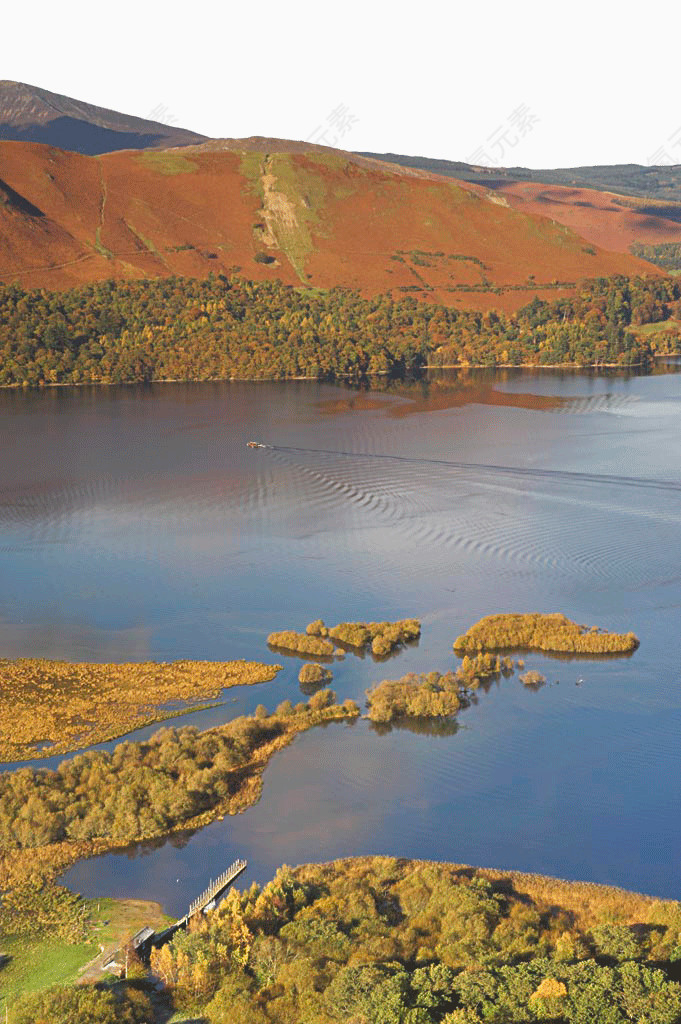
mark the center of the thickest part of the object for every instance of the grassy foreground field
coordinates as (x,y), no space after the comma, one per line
(34,962)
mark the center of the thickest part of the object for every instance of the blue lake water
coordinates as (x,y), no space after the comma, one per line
(135,524)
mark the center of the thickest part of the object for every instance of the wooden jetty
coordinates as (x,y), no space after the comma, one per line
(143,941)
(210,896)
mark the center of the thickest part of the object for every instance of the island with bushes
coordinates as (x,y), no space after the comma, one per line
(552,633)
(382,638)
(290,641)
(312,676)
(178,779)
(433,694)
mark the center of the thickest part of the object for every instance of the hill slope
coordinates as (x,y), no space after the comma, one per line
(30,114)
(319,218)
(615,222)
(655,181)
(626,208)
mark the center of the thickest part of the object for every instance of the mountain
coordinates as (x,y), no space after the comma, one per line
(318,218)
(661,183)
(30,114)
(626,208)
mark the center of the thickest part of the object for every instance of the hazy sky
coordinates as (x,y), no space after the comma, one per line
(498,83)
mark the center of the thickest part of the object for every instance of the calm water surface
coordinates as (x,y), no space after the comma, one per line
(135,524)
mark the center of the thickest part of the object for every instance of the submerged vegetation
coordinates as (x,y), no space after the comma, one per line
(542,633)
(222,328)
(83,704)
(379,940)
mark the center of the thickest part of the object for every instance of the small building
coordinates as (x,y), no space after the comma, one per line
(140,944)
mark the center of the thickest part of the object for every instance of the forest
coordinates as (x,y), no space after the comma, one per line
(381,940)
(665,254)
(228,328)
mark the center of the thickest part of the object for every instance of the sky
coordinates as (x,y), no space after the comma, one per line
(524,83)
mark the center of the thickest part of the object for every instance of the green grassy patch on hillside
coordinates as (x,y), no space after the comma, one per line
(165,162)
(306,191)
(250,166)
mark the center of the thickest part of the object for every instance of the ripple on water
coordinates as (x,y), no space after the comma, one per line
(422,504)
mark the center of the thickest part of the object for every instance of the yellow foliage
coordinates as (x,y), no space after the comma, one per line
(536,632)
(81,704)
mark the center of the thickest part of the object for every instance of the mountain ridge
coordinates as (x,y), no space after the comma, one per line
(316,219)
(31,114)
(646,181)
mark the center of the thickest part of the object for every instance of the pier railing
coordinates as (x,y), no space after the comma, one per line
(148,938)
(216,887)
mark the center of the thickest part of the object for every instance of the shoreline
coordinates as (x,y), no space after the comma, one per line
(339,378)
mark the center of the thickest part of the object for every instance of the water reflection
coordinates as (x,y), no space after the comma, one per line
(419,726)
(135,525)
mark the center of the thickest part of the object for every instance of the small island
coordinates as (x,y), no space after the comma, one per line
(429,695)
(311,677)
(382,638)
(301,643)
(553,633)
(432,694)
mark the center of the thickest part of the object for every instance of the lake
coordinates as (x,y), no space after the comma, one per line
(135,524)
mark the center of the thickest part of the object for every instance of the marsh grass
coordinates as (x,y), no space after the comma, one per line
(536,632)
(52,707)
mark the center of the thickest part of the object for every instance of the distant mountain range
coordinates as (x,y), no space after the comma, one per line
(309,215)
(30,114)
(654,183)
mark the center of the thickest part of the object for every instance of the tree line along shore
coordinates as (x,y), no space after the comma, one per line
(225,328)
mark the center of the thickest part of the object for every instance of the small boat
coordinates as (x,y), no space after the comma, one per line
(255,444)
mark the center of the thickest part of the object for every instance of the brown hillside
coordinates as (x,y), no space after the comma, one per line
(319,218)
(603,218)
